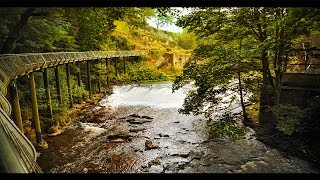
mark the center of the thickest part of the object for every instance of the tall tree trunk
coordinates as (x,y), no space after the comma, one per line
(266,95)
(277,93)
(14,34)
(246,121)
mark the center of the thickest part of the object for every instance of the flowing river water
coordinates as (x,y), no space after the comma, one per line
(138,129)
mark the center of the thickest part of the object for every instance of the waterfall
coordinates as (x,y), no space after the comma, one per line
(154,95)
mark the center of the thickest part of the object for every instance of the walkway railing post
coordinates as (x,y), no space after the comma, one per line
(57,78)
(15,105)
(35,112)
(69,84)
(46,86)
(89,78)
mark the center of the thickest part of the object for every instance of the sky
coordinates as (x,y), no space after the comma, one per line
(171,27)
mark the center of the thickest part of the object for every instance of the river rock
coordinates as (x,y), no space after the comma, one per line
(134,115)
(156,169)
(54,131)
(146,117)
(119,140)
(135,121)
(163,135)
(154,162)
(149,145)
(137,129)
(138,116)
(183,155)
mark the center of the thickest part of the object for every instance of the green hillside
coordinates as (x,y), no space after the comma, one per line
(158,42)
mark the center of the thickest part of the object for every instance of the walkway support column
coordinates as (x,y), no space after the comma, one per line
(89,78)
(107,74)
(35,112)
(124,65)
(69,85)
(132,59)
(46,86)
(57,78)
(98,75)
(79,73)
(16,112)
(115,66)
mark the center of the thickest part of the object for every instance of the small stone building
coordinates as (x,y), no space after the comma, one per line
(176,59)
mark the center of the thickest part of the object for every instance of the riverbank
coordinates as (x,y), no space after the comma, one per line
(65,120)
(78,110)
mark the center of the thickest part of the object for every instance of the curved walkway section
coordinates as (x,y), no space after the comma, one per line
(13,66)
(17,154)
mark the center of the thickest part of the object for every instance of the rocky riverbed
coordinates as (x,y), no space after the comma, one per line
(137,138)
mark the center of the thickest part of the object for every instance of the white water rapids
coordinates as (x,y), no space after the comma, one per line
(154,95)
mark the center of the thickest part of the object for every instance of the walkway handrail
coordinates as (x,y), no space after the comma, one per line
(17,153)
(13,66)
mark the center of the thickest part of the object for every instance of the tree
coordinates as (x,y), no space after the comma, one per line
(187,40)
(271,30)
(35,30)
(63,29)
(213,67)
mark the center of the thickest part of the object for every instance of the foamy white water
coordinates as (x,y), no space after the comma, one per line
(154,95)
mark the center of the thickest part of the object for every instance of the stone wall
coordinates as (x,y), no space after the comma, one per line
(176,59)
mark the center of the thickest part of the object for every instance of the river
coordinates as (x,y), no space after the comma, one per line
(137,129)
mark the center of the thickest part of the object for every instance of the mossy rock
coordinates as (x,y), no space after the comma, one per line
(54,131)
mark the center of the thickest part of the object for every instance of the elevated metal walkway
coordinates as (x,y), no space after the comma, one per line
(17,154)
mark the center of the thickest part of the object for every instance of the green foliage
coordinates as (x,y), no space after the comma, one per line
(46,30)
(170,71)
(117,43)
(187,40)
(79,93)
(226,126)
(141,73)
(289,118)
(69,29)
(156,54)
(213,68)
(165,16)
(255,41)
